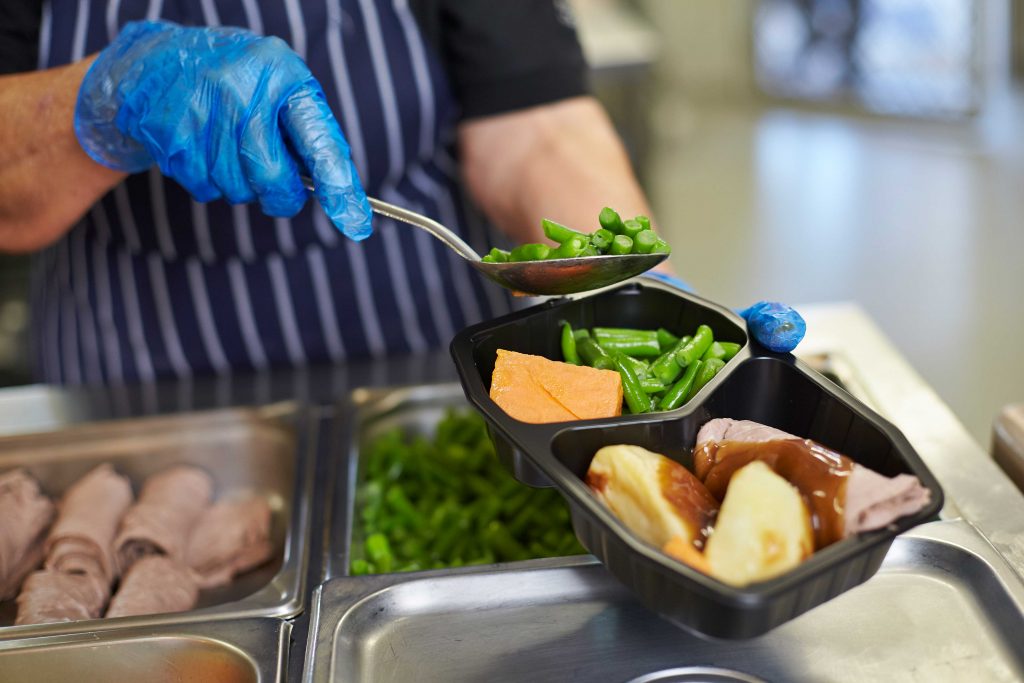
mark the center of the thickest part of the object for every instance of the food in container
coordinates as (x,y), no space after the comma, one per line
(81,541)
(231,537)
(781,498)
(25,514)
(154,584)
(169,505)
(535,389)
(49,596)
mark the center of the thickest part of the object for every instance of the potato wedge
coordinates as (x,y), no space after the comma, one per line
(656,497)
(763,528)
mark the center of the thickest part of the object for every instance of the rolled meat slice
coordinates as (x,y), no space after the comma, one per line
(154,585)
(844,497)
(25,514)
(655,496)
(230,538)
(82,539)
(162,519)
(49,596)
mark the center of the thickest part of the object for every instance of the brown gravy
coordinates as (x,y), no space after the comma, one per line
(689,497)
(817,472)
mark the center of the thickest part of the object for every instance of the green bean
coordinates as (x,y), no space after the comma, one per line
(631,228)
(558,232)
(593,354)
(569,354)
(644,242)
(379,550)
(651,385)
(714,351)
(639,367)
(633,347)
(676,396)
(602,239)
(661,247)
(496,255)
(696,347)
(666,340)
(632,392)
(644,222)
(621,245)
(603,333)
(708,370)
(529,252)
(610,221)
(571,248)
(591,250)
(665,368)
(580,334)
(731,349)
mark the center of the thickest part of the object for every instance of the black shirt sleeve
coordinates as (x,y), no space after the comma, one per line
(503,55)
(19,35)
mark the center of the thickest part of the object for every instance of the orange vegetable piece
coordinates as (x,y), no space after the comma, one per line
(535,389)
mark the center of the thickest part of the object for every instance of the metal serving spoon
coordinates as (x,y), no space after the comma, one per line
(541,278)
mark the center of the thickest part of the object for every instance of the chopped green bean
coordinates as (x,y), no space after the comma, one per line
(633,347)
(661,247)
(676,396)
(644,222)
(569,354)
(593,354)
(666,339)
(708,370)
(602,239)
(731,349)
(644,242)
(651,385)
(632,392)
(570,248)
(560,233)
(696,347)
(610,221)
(530,252)
(632,228)
(621,245)
(496,255)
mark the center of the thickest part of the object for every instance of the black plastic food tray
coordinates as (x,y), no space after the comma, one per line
(774,389)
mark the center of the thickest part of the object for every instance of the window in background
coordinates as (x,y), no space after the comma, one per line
(904,57)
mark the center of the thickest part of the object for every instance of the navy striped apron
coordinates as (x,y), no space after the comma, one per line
(151,284)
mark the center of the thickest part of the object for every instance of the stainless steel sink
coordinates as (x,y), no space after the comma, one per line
(944,607)
(243,651)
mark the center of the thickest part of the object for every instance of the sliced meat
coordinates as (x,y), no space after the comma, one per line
(727,429)
(25,514)
(154,585)
(873,501)
(869,500)
(83,536)
(50,596)
(231,537)
(161,521)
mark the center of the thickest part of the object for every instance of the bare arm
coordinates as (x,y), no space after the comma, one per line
(562,161)
(46,181)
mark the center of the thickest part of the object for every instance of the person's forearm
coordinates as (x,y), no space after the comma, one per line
(562,161)
(46,181)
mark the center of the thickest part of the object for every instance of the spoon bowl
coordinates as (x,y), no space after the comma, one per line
(538,278)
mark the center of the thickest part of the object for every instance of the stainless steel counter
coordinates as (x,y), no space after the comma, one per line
(977,493)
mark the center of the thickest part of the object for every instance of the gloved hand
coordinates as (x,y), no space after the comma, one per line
(219,110)
(775,326)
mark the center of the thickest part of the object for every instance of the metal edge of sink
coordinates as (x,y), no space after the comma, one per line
(262,643)
(285,594)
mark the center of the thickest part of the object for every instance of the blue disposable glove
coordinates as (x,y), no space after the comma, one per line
(220,110)
(775,326)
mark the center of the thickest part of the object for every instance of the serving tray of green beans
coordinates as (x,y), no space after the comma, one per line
(428,491)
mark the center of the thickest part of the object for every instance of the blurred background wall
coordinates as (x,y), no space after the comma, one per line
(814,151)
(845,150)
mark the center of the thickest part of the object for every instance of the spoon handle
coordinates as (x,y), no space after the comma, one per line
(451,240)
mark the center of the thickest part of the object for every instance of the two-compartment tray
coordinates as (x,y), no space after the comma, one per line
(774,389)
